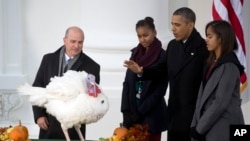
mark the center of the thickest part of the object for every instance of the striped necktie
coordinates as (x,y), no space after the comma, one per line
(67,65)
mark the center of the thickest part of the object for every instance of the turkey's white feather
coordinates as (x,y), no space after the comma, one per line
(67,99)
(38,94)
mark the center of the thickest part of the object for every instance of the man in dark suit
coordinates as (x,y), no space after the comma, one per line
(55,64)
(183,65)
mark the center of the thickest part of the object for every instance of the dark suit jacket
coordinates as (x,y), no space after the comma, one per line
(49,68)
(152,109)
(183,65)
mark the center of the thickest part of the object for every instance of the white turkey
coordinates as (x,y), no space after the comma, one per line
(76,93)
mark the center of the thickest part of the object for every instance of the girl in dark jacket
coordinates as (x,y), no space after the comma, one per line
(143,101)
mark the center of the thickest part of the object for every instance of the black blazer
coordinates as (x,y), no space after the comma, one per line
(49,68)
(152,109)
(184,73)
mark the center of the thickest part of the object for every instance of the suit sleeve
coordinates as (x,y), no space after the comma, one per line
(222,97)
(90,66)
(97,73)
(157,87)
(157,72)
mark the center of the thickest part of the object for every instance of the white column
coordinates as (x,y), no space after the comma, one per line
(1,36)
(11,47)
(110,24)
(11,53)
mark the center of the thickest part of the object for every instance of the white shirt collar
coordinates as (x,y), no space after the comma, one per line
(184,41)
(67,57)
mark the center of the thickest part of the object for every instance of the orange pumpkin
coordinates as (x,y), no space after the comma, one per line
(19,133)
(120,133)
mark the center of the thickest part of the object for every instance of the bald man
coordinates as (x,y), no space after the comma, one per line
(70,56)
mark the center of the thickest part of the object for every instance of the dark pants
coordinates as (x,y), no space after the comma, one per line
(178,136)
(155,137)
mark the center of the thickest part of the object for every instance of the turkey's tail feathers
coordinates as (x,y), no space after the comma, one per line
(37,95)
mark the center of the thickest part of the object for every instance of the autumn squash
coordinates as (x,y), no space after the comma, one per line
(19,133)
(120,133)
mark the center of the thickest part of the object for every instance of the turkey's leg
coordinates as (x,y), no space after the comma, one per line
(66,134)
(77,128)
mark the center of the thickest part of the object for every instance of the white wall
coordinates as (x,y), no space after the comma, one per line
(109,29)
